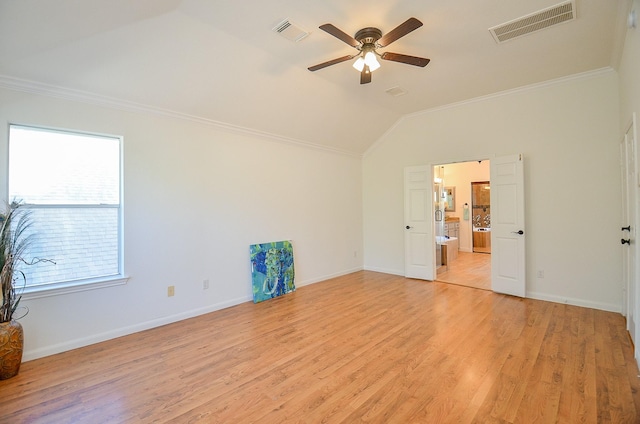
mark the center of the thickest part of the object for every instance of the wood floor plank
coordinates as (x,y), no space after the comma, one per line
(365,347)
(468,269)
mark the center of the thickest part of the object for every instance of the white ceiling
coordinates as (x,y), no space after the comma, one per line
(220,60)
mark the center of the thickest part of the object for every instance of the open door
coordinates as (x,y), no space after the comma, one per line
(507,226)
(419,253)
(628,229)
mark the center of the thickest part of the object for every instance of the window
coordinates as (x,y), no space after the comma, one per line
(71,184)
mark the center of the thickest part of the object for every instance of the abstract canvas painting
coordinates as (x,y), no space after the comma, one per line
(272,272)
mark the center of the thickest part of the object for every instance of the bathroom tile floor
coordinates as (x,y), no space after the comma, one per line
(468,269)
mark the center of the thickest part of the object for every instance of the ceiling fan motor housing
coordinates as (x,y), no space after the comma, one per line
(368,35)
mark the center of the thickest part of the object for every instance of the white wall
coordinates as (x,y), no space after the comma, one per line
(568,132)
(195,197)
(629,71)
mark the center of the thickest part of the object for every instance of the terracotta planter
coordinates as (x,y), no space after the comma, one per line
(11,346)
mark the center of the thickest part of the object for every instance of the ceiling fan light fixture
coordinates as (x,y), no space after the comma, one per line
(367,41)
(371,61)
(368,58)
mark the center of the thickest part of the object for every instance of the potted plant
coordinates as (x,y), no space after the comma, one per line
(14,240)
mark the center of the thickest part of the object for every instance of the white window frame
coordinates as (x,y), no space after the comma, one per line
(73,286)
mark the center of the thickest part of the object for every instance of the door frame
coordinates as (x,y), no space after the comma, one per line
(628,182)
(491,158)
(630,254)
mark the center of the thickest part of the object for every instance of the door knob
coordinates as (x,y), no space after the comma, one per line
(627,228)
(627,241)
(517,232)
(407,227)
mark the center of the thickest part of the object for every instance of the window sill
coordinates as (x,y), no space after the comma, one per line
(73,287)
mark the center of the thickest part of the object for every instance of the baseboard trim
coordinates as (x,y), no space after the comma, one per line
(574,301)
(328,277)
(384,270)
(125,331)
(30,355)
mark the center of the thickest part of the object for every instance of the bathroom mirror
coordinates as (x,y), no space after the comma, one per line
(450,199)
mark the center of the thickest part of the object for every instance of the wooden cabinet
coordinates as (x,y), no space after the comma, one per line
(452,227)
(452,230)
(482,241)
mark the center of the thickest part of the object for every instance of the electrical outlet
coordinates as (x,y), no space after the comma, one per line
(540,273)
(205,284)
(171,290)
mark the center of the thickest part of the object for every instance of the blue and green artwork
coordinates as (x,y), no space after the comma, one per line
(272,271)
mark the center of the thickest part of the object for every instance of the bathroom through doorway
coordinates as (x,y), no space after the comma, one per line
(462,221)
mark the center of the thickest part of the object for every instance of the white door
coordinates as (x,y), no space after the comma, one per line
(507,226)
(628,228)
(419,253)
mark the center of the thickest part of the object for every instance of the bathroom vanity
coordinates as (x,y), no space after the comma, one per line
(451,231)
(451,226)
(482,240)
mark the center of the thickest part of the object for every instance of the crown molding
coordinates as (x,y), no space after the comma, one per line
(525,88)
(575,77)
(33,87)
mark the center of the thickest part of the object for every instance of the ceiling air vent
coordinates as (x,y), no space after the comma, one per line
(396,91)
(290,31)
(545,18)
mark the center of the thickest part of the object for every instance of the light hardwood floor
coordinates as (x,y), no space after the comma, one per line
(363,347)
(468,269)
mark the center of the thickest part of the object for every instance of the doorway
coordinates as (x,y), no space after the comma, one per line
(508,260)
(468,252)
(481,216)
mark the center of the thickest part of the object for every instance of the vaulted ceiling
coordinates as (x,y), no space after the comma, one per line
(221,61)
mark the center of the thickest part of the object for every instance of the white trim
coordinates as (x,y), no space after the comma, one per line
(533,295)
(33,87)
(111,277)
(125,331)
(574,301)
(57,289)
(328,277)
(386,271)
(531,87)
(383,137)
(561,80)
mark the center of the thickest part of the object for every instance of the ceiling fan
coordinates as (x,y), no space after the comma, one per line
(367,41)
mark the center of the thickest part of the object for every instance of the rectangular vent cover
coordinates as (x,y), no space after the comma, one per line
(545,18)
(396,91)
(290,31)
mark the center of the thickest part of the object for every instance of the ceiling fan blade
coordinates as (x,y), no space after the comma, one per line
(403,58)
(339,34)
(329,63)
(400,31)
(365,75)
